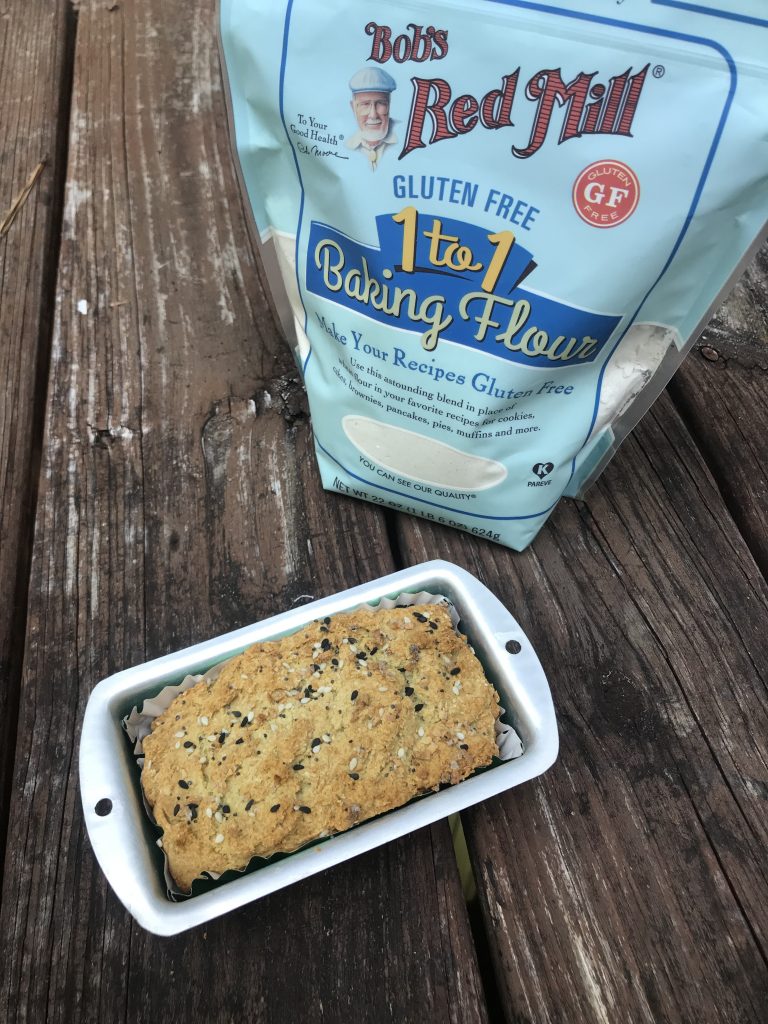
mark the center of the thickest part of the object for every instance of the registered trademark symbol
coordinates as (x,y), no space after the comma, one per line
(658,71)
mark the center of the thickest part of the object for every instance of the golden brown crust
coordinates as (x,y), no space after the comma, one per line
(305,736)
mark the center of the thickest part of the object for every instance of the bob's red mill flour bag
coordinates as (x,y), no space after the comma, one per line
(495,226)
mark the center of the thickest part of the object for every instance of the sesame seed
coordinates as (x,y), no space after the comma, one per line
(183,784)
(180,733)
(274,807)
(222,735)
(218,838)
(354,776)
(249,716)
(304,809)
(353,764)
(421,730)
(304,700)
(457,689)
(455,671)
(208,812)
(408,691)
(419,617)
(203,720)
(326,738)
(219,816)
(419,707)
(401,752)
(188,744)
(178,746)
(298,767)
(176,810)
(460,735)
(225,808)
(203,759)
(316,742)
(382,689)
(249,805)
(353,695)
(464,746)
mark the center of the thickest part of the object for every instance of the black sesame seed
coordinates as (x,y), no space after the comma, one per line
(408,691)
(455,671)
(354,775)
(192,812)
(274,807)
(222,737)
(183,784)
(308,691)
(176,810)
(334,661)
(325,644)
(418,707)
(361,656)
(315,667)
(353,695)
(298,767)
(464,746)
(188,743)
(241,740)
(432,625)
(225,808)
(244,723)
(351,640)
(305,810)
(237,714)
(419,617)
(327,620)
(373,650)
(316,742)
(249,805)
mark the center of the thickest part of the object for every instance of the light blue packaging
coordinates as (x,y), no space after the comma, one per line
(498,226)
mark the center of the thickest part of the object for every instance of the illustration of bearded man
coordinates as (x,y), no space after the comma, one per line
(371,92)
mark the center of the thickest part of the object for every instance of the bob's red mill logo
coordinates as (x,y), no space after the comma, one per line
(588,107)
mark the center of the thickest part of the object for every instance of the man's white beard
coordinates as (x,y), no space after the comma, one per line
(376,134)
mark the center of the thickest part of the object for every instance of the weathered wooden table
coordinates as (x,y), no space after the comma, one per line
(157,486)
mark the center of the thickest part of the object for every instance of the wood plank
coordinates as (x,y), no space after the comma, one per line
(721,391)
(180,499)
(630,882)
(34,46)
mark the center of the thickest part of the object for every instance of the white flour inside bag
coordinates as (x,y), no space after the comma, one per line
(493,229)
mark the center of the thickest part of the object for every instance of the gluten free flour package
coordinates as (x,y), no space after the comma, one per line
(494,227)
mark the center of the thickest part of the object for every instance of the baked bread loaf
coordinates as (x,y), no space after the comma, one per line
(305,736)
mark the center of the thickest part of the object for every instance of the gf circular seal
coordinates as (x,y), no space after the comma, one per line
(606,193)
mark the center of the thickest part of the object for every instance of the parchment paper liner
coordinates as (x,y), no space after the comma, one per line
(138,723)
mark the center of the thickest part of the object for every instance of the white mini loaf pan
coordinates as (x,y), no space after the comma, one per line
(124,839)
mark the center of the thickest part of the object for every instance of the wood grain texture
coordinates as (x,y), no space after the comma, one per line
(34,43)
(629,883)
(180,499)
(722,390)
